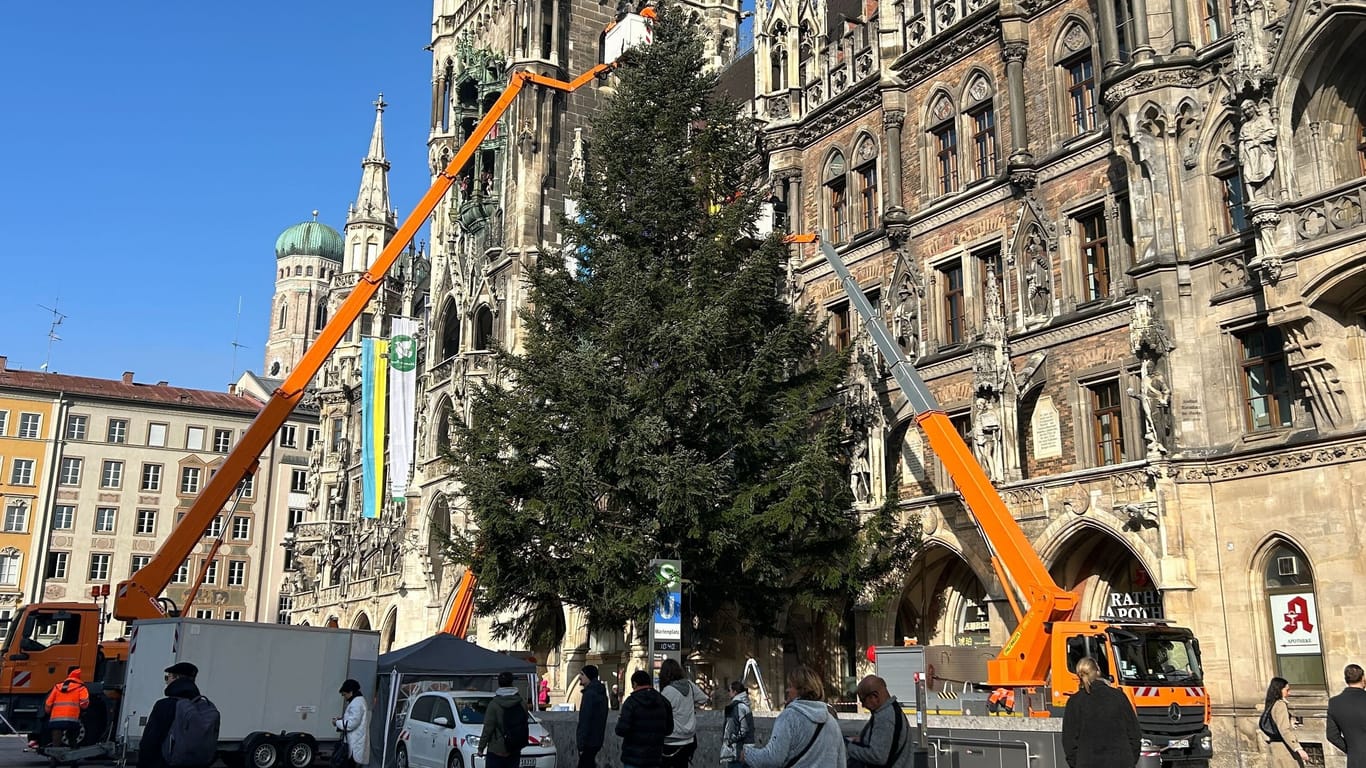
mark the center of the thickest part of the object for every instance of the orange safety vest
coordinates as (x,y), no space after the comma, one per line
(1003,696)
(66,700)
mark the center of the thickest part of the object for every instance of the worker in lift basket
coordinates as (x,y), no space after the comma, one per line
(65,703)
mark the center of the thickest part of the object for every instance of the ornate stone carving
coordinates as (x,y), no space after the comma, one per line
(1257,144)
(1231,274)
(1076,38)
(1150,80)
(1015,51)
(1318,378)
(904,304)
(893,119)
(951,49)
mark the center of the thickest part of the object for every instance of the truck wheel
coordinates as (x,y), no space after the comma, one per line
(401,757)
(260,751)
(94,721)
(300,752)
(455,760)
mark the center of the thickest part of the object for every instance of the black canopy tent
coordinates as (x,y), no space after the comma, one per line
(442,662)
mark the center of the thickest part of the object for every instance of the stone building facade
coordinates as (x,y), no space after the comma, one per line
(1122,242)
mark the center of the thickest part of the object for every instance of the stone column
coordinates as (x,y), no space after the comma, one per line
(1014,54)
(1143,49)
(892,120)
(1109,35)
(1181,28)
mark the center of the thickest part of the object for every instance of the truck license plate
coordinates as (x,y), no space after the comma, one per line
(1179,744)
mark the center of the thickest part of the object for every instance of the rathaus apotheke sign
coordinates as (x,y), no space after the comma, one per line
(1146,604)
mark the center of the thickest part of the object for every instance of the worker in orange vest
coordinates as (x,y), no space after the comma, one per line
(65,703)
(1002,698)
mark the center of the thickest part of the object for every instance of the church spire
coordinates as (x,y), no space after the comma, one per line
(372,204)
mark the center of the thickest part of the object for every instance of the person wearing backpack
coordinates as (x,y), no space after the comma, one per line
(1277,725)
(182,729)
(354,725)
(885,741)
(506,729)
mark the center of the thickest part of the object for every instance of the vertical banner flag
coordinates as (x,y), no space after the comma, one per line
(402,406)
(374,376)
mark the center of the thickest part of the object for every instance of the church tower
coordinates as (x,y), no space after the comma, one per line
(307,256)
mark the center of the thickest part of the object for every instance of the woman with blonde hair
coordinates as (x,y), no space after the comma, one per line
(1286,751)
(806,734)
(1099,727)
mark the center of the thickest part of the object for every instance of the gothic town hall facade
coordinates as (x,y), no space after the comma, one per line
(1122,241)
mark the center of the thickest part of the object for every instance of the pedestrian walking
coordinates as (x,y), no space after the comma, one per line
(592,716)
(65,703)
(1278,726)
(1099,727)
(354,725)
(1346,724)
(806,733)
(615,699)
(685,698)
(645,721)
(738,729)
(885,742)
(182,728)
(506,729)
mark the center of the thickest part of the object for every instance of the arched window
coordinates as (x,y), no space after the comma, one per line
(943,143)
(806,53)
(284,315)
(1293,606)
(308,271)
(298,270)
(450,330)
(865,182)
(1231,201)
(320,317)
(836,191)
(1077,72)
(778,76)
(483,329)
(980,114)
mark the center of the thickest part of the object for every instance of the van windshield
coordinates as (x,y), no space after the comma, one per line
(1159,657)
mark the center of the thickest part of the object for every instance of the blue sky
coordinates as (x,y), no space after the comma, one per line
(155,150)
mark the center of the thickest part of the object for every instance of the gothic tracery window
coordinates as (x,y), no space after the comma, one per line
(836,197)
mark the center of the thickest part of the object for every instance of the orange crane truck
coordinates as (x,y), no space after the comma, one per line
(49,638)
(1156,665)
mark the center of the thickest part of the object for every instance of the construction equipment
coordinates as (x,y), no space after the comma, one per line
(1156,665)
(48,638)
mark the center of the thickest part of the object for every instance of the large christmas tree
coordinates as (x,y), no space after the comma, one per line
(668,401)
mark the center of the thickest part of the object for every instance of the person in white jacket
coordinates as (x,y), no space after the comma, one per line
(685,697)
(354,725)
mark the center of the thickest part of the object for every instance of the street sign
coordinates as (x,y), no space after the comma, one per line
(666,621)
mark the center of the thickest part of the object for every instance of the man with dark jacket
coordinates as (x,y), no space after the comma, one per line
(505,707)
(1346,724)
(592,716)
(179,685)
(885,741)
(646,719)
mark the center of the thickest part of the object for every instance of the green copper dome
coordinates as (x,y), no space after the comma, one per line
(310,238)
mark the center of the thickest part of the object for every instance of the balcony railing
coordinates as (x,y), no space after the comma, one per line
(1327,213)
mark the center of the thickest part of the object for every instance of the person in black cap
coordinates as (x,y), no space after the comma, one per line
(179,685)
(592,716)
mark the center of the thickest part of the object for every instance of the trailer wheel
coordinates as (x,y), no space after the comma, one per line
(260,751)
(94,721)
(401,757)
(300,752)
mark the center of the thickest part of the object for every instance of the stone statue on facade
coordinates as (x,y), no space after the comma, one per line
(860,473)
(1257,145)
(1038,274)
(1150,343)
(986,439)
(907,292)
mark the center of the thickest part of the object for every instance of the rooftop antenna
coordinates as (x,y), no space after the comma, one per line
(237,326)
(57,318)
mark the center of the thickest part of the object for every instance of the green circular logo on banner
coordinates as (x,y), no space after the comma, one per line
(403,353)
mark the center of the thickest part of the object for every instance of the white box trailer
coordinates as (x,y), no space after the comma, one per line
(275,685)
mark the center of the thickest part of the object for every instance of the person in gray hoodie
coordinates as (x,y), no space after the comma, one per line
(886,740)
(806,734)
(685,697)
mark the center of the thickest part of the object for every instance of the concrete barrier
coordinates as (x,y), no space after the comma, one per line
(1004,742)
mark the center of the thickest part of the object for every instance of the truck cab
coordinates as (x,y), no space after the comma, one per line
(45,641)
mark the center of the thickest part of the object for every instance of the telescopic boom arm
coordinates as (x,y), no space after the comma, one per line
(138,597)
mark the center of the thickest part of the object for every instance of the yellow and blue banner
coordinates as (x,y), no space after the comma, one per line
(374,357)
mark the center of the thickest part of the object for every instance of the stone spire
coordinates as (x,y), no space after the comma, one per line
(372,204)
